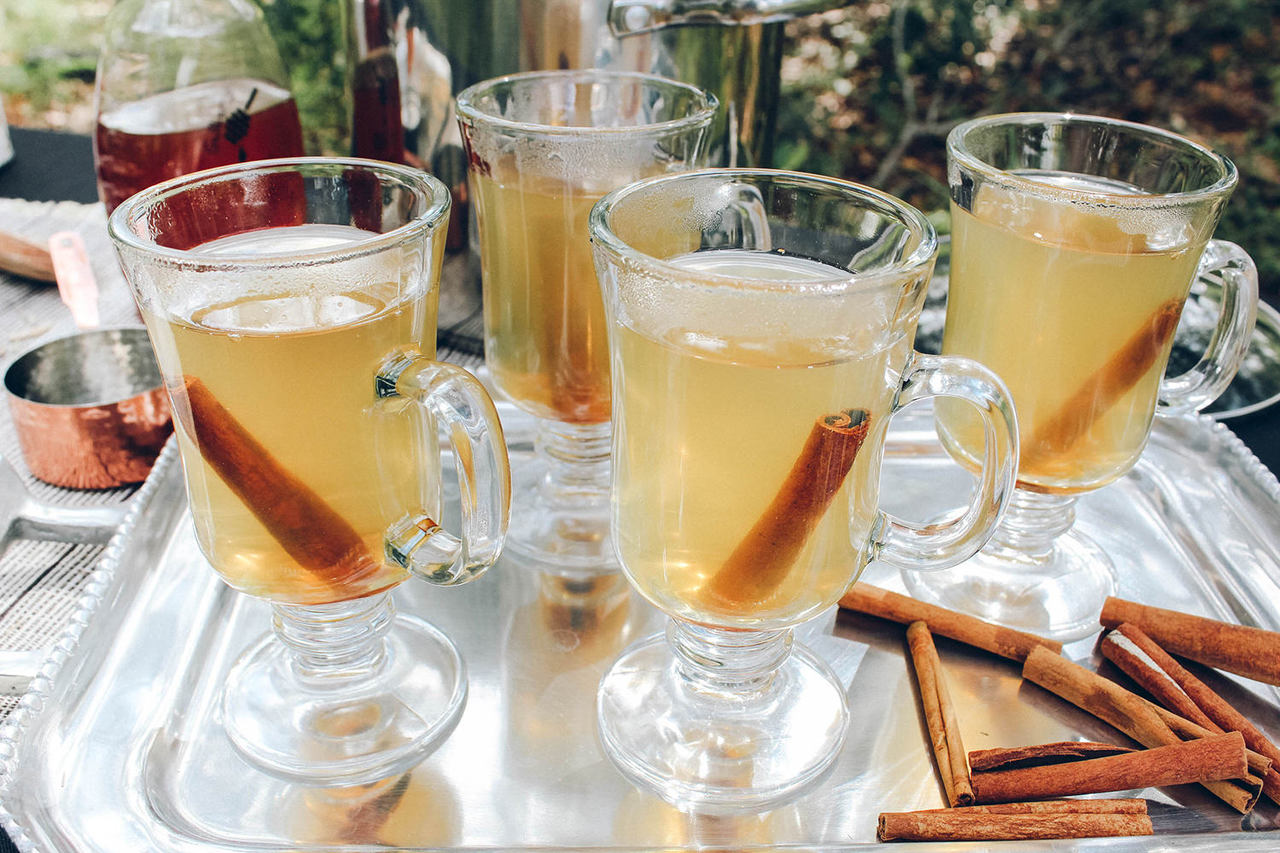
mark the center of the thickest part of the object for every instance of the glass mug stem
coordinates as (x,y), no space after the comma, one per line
(1032,524)
(725,661)
(577,459)
(336,642)
(561,517)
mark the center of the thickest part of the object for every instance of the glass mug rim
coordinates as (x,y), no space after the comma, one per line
(468,109)
(922,255)
(430,191)
(960,153)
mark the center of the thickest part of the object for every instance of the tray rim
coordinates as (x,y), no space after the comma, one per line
(106,574)
(42,684)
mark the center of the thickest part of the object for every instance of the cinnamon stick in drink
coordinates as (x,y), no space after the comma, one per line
(1143,660)
(761,561)
(961,627)
(967,825)
(1129,713)
(940,716)
(1058,432)
(1210,759)
(1251,652)
(307,528)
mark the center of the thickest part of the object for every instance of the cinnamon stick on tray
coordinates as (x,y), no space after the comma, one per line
(1019,821)
(1209,759)
(1259,764)
(1173,686)
(1251,652)
(1131,714)
(762,559)
(308,529)
(1092,805)
(961,627)
(1061,430)
(940,716)
(1007,758)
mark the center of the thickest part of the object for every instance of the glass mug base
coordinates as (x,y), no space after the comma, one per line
(1056,594)
(712,748)
(371,705)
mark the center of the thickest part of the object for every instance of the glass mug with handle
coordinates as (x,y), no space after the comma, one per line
(542,148)
(292,308)
(760,331)
(1075,241)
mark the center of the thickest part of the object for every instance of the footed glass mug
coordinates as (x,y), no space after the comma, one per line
(760,332)
(292,307)
(1075,241)
(543,147)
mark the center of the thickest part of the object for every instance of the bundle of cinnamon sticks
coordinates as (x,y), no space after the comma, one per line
(1019,792)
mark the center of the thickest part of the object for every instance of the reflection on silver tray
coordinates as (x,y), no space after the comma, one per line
(118,747)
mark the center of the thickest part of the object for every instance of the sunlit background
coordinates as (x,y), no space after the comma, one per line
(869,91)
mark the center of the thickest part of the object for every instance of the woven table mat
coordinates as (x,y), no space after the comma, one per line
(32,313)
(41,581)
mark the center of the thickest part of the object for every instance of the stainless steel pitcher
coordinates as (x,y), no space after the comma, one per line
(410,57)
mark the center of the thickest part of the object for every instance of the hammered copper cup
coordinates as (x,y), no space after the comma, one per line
(89,409)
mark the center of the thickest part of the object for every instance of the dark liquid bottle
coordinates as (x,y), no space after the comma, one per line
(186,85)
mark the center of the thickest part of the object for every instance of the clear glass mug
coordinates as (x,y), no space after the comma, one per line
(542,148)
(1075,241)
(292,308)
(760,332)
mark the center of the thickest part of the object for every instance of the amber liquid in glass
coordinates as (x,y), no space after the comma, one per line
(709,429)
(295,370)
(1049,294)
(545,332)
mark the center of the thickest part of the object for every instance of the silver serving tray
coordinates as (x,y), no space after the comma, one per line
(117,745)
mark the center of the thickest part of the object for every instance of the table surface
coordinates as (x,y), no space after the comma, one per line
(53,166)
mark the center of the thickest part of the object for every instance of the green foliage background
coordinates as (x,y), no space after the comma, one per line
(310,36)
(869,90)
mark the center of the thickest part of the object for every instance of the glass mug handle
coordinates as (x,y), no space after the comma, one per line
(1204,383)
(939,545)
(461,404)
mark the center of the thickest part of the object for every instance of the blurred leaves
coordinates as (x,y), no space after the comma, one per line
(309,34)
(870,91)
(48,56)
